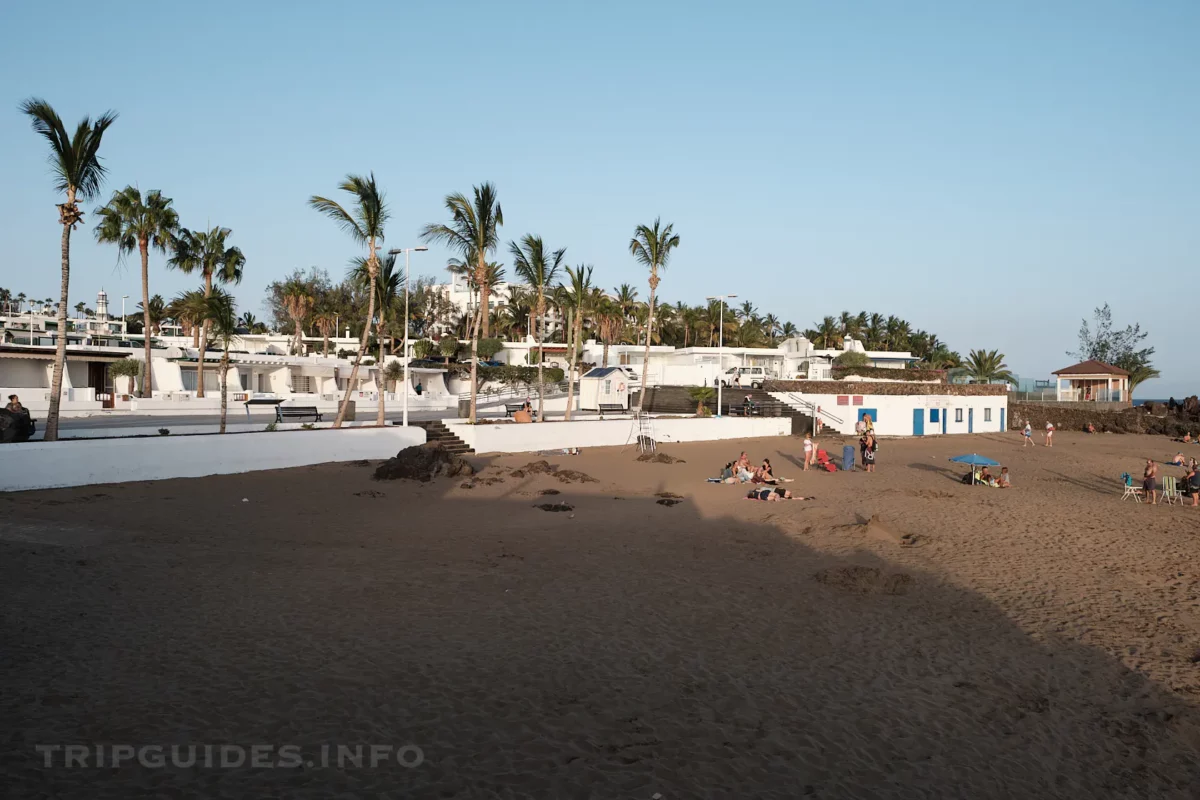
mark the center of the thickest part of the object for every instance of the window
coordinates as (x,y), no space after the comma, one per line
(987,415)
(607,386)
(302,384)
(858,399)
(843,400)
(958,415)
(935,415)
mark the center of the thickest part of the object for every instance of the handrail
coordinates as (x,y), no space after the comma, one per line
(813,410)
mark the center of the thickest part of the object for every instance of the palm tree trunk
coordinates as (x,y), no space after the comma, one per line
(570,364)
(485,293)
(325,352)
(380,416)
(203,341)
(474,366)
(362,348)
(541,334)
(224,384)
(148,380)
(606,352)
(649,326)
(60,345)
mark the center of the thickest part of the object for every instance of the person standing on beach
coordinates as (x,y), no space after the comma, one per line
(1150,481)
(809,450)
(869,447)
(1049,434)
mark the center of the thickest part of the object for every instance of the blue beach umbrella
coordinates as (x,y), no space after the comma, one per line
(975,460)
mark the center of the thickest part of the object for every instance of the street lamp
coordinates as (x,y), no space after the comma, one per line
(720,345)
(406,251)
(124,322)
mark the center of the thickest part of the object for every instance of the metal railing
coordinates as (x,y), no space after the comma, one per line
(800,404)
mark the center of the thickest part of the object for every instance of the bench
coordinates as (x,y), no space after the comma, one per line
(512,408)
(612,408)
(296,412)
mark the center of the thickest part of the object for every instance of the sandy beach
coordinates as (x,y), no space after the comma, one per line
(1039,642)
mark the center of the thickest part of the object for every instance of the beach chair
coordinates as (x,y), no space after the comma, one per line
(1170,491)
(1130,490)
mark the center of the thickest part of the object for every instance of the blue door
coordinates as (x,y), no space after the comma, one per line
(1003,427)
(945,418)
(862,412)
(918,422)
(970,420)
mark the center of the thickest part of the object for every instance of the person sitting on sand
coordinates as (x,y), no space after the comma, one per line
(1178,460)
(985,476)
(772,495)
(1187,438)
(1004,482)
(1091,428)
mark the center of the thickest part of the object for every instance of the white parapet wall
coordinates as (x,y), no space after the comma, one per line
(46,465)
(525,438)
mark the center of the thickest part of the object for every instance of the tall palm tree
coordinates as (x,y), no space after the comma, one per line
(365,224)
(577,298)
(609,322)
(325,322)
(78,173)
(746,311)
(133,222)
(788,330)
(651,246)
(220,315)
(876,331)
(472,233)
(206,252)
(987,366)
(538,269)
(387,289)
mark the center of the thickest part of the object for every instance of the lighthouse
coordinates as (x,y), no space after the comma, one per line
(102,306)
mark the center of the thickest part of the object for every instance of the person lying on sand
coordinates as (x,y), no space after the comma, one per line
(772,495)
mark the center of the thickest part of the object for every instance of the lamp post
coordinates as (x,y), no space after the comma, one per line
(406,251)
(720,345)
(124,322)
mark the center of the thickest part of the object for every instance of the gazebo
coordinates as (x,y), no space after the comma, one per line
(1092,381)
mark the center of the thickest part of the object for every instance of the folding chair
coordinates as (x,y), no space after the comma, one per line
(1130,490)
(1171,492)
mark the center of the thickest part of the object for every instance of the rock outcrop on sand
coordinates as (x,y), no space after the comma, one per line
(423,463)
(660,458)
(545,468)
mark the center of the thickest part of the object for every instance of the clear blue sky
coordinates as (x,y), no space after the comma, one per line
(989,173)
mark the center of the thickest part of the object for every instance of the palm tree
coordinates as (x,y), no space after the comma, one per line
(626,299)
(472,233)
(325,322)
(132,222)
(188,309)
(158,312)
(298,304)
(875,331)
(79,307)
(788,330)
(577,298)
(78,173)
(609,322)
(206,252)
(651,247)
(538,269)
(387,289)
(365,226)
(827,330)
(746,311)
(221,316)
(987,366)
(1139,375)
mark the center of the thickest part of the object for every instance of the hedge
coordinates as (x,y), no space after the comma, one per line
(839,373)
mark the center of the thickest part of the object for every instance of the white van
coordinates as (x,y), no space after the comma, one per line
(745,376)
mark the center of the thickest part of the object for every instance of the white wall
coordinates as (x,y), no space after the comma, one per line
(23,372)
(894,413)
(525,438)
(38,465)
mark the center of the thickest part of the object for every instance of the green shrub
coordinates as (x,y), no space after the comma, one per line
(164,431)
(126,368)
(448,346)
(852,359)
(423,348)
(489,347)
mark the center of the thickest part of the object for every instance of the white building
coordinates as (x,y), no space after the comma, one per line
(465,300)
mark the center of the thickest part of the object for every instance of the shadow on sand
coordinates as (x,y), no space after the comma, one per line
(625,650)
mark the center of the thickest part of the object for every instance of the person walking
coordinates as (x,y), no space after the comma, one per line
(1049,434)
(1028,434)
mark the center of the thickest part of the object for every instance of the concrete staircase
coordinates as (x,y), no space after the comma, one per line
(677,400)
(436,431)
